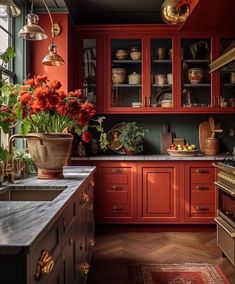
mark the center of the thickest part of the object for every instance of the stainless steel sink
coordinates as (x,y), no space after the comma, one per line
(30,193)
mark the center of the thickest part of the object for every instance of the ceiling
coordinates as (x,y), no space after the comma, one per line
(209,14)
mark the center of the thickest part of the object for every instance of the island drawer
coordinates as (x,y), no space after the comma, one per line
(202,175)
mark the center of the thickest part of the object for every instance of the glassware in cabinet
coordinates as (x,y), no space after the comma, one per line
(195,76)
(161,73)
(227,80)
(126,73)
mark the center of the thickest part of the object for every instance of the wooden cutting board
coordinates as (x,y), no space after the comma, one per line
(166,138)
(204,133)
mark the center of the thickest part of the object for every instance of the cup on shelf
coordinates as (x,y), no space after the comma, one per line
(118,75)
(121,54)
(161,53)
(160,79)
(169,78)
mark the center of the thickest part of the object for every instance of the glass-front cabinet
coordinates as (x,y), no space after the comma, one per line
(126,77)
(227,81)
(196,91)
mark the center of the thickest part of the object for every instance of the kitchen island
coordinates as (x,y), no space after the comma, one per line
(42,241)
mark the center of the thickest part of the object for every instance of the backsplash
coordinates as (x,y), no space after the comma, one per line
(184,126)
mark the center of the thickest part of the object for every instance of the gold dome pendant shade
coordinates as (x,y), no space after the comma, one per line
(32,31)
(9,9)
(52,58)
(175,11)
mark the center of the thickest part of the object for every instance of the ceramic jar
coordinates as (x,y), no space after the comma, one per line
(134,78)
(121,54)
(211,147)
(135,54)
(160,79)
(118,75)
(195,75)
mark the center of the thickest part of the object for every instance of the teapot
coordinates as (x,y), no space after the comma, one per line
(200,50)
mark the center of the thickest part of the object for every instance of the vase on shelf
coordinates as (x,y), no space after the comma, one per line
(50,151)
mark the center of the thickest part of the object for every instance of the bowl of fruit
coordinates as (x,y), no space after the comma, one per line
(187,150)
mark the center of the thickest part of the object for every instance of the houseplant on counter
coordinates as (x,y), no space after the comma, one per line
(47,114)
(132,137)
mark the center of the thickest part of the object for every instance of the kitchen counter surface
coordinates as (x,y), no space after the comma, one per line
(198,157)
(21,222)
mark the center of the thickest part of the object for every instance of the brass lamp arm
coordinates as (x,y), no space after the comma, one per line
(52,23)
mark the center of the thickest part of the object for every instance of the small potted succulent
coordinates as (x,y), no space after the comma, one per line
(132,137)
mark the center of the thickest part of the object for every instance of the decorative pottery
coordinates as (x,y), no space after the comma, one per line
(166,103)
(121,54)
(50,152)
(211,146)
(160,79)
(135,53)
(134,78)
(195,75)
(118,75)
(161,53)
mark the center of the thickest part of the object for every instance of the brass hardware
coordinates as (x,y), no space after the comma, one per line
(117,171)
(202,207)
(92,243)
(175,11)
(202,171)
(84,199)
(82,245)
(84,268)
(45,265)
(117,187)
(117,208)
(92,183)
(202,187)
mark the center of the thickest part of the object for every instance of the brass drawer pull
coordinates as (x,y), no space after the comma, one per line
(117,171)
(45,265)
(202,207)
(202,187)
(117,208)
(84,268)
(92,243)
(82,245)
(202,171)
(117,187)
(84,198)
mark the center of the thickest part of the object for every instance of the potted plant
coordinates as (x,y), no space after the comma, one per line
(131,137)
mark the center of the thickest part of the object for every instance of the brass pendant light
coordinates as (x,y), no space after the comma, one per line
(175,11)
(9,9)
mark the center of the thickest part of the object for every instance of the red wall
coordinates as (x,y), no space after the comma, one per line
(38,49)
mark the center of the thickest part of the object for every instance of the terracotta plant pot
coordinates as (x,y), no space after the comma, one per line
(49,153)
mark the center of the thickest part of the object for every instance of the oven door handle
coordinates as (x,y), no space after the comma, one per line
(220,222)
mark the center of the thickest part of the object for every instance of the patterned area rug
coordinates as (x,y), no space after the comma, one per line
(189,273)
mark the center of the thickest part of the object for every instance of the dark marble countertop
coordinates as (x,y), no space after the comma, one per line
(22,221)
(198,157)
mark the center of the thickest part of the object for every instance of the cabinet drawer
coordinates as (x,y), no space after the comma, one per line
(116,210)
(202,208)
(202,187)
(203,197)
(115,175)
(116,187)
(115,198)
(202,175)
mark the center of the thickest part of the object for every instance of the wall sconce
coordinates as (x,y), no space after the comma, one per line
(175,11)
(9,9)
(32,31)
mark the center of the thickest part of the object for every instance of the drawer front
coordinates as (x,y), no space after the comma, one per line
(202,175)
(202,208)
(202,187)
(115,175)
(116,210)
(115,187)
(111,198)
(203,197)
(51,243)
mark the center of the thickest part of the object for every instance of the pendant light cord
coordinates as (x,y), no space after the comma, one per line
(52,24)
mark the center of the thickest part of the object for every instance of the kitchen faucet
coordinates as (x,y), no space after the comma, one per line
(10,167)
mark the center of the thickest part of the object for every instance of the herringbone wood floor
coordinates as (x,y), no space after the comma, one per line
(114,251)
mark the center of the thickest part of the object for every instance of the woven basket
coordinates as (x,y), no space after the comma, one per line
(182,153)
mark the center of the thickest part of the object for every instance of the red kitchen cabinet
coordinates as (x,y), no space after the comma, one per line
(199,192)
(158,192)
(116,192)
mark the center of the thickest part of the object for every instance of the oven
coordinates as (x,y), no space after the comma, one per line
(226,208)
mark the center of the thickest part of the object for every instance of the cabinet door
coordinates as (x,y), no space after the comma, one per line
(117,192)
(196,91)
(125,73)
(199,196)
(91,58)
(226,100)
(158,192)
(162,76)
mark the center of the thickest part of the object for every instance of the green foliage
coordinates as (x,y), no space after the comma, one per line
(7,55)
(4,155)
(23,155)
(132,137)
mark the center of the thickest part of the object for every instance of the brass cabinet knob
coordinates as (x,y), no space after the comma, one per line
(117,187)
(45,265)
(117,208)
(92,243)
(117,171)
(202,207)
(84,199)
(202,171)
(82,245)
(84,268)
(202,187)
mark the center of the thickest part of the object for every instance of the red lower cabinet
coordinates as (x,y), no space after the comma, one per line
(158,192)
(117,192)
(199,192)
